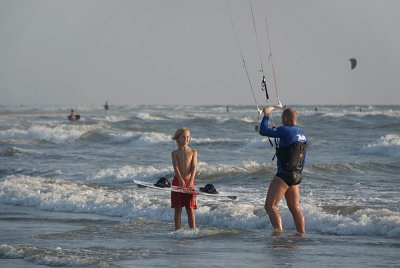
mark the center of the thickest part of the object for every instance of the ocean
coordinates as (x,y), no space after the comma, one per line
(67,197)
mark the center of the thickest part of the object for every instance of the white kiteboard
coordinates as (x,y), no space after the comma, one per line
(183,190)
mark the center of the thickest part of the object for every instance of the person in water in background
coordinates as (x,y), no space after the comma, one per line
(291,159)
(184,161)
(72,115)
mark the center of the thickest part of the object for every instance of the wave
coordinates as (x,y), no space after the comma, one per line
(129,173)
(152,112)
(245,213)
(70,257)
(13,151)
(205,172)
(95,136)
(158,138)
(72,133)
(149,117)
(369,222)
(218,141)
(357,111)
(388,145)
(99,133)
(233,172)
(56,134)
(98,256)
(134,138)
(115,118)
(352,168)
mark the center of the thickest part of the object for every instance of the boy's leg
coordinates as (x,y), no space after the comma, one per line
(177,218)
(293,201)
(276,191)
(191,217)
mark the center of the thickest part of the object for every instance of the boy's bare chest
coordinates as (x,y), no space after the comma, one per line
(185,158)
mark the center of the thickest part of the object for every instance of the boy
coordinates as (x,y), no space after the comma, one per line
(184,161)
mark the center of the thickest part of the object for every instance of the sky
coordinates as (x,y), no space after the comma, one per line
(187,52)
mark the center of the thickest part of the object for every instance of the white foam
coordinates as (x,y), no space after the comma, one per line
(245,213)
(11,151)
(129,173)
(388,145)
(123,137)
(56,134)
(156,138)
(204,168)
(214,141)
(186,233)
(374,222)
(148,116)
(151,138)
(57,257)
(115,118)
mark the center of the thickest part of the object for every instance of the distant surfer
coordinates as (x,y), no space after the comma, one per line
(184,161)
(291,158)
(106,106)
(73,116)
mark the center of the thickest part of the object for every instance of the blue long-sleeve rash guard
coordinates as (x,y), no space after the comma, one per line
(287,135)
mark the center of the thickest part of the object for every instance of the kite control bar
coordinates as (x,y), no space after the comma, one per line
(278,106)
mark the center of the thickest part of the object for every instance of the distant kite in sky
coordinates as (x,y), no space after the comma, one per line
(353,63)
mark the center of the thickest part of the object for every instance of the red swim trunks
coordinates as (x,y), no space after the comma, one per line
(179,200)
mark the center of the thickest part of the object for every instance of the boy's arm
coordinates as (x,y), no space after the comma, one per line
(176,170)
(193,169)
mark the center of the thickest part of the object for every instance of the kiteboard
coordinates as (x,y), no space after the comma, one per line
(178,189)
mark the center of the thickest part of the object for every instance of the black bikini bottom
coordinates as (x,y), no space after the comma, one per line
(290,178)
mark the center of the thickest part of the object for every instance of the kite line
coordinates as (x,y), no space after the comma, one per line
(263,81)
(244,62)
(272,63)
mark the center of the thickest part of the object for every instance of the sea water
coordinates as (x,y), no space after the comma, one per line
(67,197)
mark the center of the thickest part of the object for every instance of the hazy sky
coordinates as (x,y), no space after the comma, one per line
(184,52)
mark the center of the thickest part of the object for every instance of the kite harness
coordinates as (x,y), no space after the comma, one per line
(291,158)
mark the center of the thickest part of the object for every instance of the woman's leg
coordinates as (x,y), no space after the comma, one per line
(293,201)
(276,191)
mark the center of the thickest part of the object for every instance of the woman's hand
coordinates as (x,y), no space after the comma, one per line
(267,110)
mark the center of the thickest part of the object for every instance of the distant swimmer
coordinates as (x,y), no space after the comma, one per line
(106,106)
(73,116)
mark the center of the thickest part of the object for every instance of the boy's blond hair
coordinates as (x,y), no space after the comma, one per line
(179,132)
